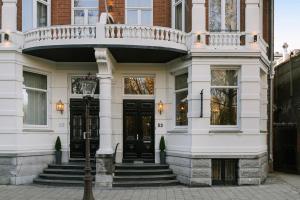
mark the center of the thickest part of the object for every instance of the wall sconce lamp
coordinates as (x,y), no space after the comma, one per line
(6,37)
(60,106)
(198,38)
(255,38)
(160,107)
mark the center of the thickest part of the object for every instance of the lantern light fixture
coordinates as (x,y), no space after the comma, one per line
(160,107)
(255,37)
(88,86)
(60,106)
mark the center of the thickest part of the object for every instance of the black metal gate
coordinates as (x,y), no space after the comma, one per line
(224,171)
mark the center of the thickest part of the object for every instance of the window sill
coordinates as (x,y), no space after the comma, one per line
(178,130)
(233,131)
(37,130)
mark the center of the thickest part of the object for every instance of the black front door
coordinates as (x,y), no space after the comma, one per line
(138,128)
(77,127)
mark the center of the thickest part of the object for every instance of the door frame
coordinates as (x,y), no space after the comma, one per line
(123,123)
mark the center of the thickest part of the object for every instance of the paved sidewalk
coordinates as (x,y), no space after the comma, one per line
(276,188)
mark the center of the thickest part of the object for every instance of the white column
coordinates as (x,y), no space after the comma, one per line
(198,16)
(9,15)
(105,79)
(252,19)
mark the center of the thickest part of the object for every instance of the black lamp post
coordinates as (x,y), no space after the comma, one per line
(88,87)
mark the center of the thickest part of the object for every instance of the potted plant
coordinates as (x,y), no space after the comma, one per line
(58,151)
(162,148)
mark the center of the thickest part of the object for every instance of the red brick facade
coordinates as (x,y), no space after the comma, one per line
(61,12)
(266,20)
(162,13)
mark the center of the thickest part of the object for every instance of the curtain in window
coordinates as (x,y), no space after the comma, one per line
(41,14)
(215,22)
(35,99)
(231,15)
(178,16)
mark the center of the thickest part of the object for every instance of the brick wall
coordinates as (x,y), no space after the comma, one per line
(162,13)
(61,12)
(266,18)
(188,16)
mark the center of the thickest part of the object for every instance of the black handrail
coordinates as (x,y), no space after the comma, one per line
(115,153)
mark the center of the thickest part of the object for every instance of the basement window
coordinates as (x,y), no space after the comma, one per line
(224,171)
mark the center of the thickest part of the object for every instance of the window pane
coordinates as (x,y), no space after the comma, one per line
(79,17)
(178,16)
(35,107)
(231,15)
(181,81)
(85,3)
(33,80)
(93,16)
(146,18)
(139,85)
(76,85)
(132,17)
(181,108)
(223,106)
(41,14)
(215,15)
(224,77)
(139,3)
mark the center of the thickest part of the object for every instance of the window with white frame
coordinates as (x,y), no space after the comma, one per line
(139,85)
(224,97)
(35,94)
(224,15)
(181,93)
(179,12)
(42,13)
(85,12)
(139,12)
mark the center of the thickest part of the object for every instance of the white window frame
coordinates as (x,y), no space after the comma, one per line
(137,96)
(86,13)
(238,87)
(178,127)
(174,4)
(223,15)
(34,10)
(31,126)
(139,9)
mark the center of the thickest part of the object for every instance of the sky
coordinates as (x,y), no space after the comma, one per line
(287,24)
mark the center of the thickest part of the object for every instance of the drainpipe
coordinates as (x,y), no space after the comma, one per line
(271,86)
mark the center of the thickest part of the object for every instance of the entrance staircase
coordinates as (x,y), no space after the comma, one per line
(66,174)
(126,175)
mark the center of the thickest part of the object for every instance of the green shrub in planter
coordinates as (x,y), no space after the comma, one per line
(162,148)
(58,153)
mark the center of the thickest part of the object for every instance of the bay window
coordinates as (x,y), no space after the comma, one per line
(139,12)
(181,93)
(35,99)
(224,15)
(85,12)
(224,97)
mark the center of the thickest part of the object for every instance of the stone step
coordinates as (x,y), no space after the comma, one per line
(71,183)
(133,160)
(146,183)
(80,160)
(144,178)
(66,171)
(140,166)
(69,166)
(62,177)
(126,172)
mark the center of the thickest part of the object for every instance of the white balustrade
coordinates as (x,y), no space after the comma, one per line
(118,31)
(55,33)
(225,39)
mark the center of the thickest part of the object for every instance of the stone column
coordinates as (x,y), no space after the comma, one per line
(198,18)
(104,160)
(9,15)
(252,19)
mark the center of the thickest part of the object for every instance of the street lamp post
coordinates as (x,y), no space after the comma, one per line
(88,87)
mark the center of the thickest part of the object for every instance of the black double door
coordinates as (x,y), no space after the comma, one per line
(77,127)
(138,128)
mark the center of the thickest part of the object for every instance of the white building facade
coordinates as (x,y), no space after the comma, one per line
(210,82)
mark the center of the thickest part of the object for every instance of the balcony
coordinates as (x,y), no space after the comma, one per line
(134,43)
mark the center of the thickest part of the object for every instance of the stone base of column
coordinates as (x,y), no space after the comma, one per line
(104,170)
